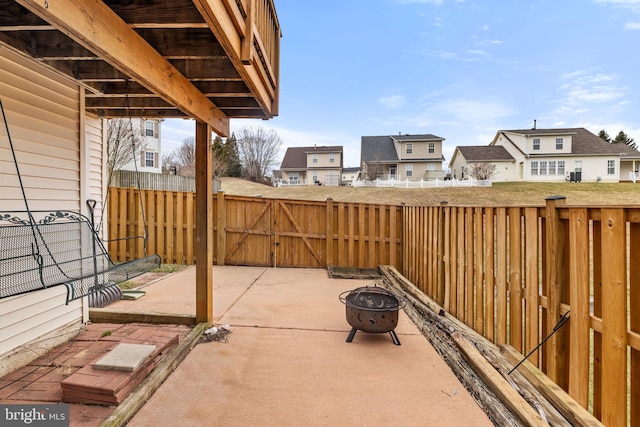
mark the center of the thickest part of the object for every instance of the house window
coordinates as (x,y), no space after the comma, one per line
(578,166)
(150,159)
(534,168)
(149,128)
(293,177)
(552,167)
(314,158)
(431,166)
(543,168)
(408,169)
(409,148)
(536,143)
(611,167)
(315,176)
(432,147)
(560,167)
(559,143)
(332,158)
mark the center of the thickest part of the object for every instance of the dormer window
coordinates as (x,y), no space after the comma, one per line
(409,148)
(536,143)
(559,143)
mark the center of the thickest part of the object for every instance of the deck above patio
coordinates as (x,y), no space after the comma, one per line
(207,59)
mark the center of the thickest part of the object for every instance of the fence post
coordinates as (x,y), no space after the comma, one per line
(329,232)
(554,252)
(614,317)
(221,226)
(443,299)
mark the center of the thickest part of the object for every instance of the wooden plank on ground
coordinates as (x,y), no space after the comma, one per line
(569,407)
(499,385)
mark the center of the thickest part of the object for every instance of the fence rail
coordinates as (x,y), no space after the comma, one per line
(510,273)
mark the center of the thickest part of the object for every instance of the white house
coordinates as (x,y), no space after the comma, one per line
(149,158)
(568,154)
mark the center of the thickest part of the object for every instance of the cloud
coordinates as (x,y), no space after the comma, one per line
(484,27)
(632,26)
(627,4)
(461,113)
(582,89)
(394,101)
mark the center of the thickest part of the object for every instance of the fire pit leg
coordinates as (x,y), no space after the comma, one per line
(394,337)
(351,334)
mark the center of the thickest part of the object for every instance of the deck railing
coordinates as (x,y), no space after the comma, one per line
(508,272)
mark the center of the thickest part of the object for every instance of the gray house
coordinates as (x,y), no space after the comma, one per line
(412,157)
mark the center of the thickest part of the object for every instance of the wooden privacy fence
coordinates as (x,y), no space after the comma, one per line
(256,231)
(510,273)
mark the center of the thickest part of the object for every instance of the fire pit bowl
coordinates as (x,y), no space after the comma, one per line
(372,309)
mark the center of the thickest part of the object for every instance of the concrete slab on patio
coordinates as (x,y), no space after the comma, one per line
(287,362)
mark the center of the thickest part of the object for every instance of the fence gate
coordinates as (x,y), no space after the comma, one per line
(275,233)
(249,231)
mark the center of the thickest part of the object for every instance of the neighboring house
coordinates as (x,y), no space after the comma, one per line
(312,166)
(464,156)
(412,157)
(349,175)
(63,70)
(148,160)
(552,155)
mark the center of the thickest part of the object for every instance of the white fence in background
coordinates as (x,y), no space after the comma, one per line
(423,184)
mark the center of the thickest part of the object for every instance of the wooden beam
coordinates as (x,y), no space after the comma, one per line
(94,25)
(215,14)
(204,225)
(572,411)
(499,385)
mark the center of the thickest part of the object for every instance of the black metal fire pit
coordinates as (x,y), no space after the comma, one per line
(372,309)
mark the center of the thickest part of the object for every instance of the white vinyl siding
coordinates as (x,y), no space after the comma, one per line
(44,120)
(44,123)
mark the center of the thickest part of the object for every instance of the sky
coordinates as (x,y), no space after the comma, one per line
(457,69)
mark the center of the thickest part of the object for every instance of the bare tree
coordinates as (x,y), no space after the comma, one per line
(258,149)
(185,154)
(124,143)
(482,170)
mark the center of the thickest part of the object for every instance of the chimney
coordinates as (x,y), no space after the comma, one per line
(534,124)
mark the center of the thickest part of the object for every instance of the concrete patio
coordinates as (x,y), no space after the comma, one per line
(286,361)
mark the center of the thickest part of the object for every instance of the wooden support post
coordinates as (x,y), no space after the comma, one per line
(204,225)
(554,251)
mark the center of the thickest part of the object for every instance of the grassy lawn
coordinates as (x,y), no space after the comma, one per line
(500,194)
